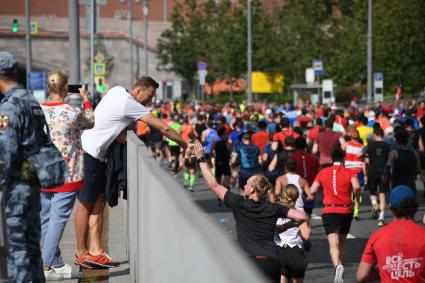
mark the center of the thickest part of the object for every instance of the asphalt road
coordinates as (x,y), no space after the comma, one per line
(320,268)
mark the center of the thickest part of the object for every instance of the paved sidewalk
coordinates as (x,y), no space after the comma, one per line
(117,249)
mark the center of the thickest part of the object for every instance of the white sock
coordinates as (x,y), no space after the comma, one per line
(374,202)
(381,215)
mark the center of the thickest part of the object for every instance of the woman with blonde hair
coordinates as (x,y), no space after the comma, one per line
(290,239)
(64,126)
(254,215)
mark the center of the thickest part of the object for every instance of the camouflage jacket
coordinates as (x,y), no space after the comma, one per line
(21,132)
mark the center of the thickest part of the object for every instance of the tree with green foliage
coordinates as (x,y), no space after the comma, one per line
(300,28)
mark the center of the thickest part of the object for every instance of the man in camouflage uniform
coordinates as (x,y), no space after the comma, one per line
(21,135)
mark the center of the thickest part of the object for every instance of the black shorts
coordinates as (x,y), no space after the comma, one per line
(174,150)
(376,185)
(293,262)
(222,170)
(338,223)
(269,267)
(94,179)
(190,163)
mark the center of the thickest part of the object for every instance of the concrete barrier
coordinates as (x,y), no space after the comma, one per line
(3,242)
(170,238)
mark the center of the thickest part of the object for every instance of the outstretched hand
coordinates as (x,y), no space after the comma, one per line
(198,149)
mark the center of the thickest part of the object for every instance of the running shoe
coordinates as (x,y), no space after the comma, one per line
(375,209)
(82,261)
(51,275)
(356,213)
(339,274)
(381,223)
(191,189)
(101,260)
(65,270)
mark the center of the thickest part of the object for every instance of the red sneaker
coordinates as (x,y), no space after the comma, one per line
(101,261)
(82,261)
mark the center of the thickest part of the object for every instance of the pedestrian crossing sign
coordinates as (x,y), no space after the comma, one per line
(99,69)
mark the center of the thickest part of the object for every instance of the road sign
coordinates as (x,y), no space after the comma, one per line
(202,66)
(378,77)
(378,87)
(37,80)
(202,74)
(99,69)
(328,91)
(318,67)
(99,57)
(309,76)
(34,27)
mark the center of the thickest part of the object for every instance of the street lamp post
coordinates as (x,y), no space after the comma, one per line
(92,46)
(369,53)
(249,53)
(28,37)
(145,22)
(130,32)
(74,42)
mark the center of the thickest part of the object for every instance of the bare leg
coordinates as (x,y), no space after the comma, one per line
(333,240)
(81,226)
(283,279)
(342,248)
(95,225)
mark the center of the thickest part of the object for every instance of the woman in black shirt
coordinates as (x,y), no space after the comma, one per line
(255,217)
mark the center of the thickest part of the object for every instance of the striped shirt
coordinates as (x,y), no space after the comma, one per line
(353,150)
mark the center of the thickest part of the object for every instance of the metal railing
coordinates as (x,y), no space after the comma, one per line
(3,242)
(170,238)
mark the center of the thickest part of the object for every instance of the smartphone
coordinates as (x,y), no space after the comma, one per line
(74,88)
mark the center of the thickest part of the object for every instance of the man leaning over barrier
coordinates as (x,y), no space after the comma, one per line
(118,108)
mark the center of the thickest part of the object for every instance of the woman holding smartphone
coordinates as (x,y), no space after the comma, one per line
(255,216)
(64,125)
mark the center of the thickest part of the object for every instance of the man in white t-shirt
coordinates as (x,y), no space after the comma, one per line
(118,108)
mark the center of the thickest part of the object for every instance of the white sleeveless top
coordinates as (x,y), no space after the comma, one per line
(291,236)
(294,180)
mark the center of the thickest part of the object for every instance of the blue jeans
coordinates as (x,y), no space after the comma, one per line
(56,209)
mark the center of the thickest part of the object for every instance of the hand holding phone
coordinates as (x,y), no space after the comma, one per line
(74,88)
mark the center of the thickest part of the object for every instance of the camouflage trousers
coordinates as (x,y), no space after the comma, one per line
(23,231)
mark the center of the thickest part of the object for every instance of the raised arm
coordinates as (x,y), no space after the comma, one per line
(164,129)
(211,181)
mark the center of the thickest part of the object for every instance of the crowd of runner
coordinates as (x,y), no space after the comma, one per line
(301,149)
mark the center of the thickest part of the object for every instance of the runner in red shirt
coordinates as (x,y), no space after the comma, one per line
(325,142)
(261,138)
(398,249)
(286,132)
(337,183)
(312,134)
(307,167)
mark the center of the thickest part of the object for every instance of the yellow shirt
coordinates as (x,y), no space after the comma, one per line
(364,132)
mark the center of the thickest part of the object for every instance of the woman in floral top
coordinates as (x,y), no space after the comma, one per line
(65,124)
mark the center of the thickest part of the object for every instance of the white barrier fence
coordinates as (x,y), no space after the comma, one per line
(170,238)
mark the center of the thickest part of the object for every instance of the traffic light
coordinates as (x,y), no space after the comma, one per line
(100,84)
(15,25)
